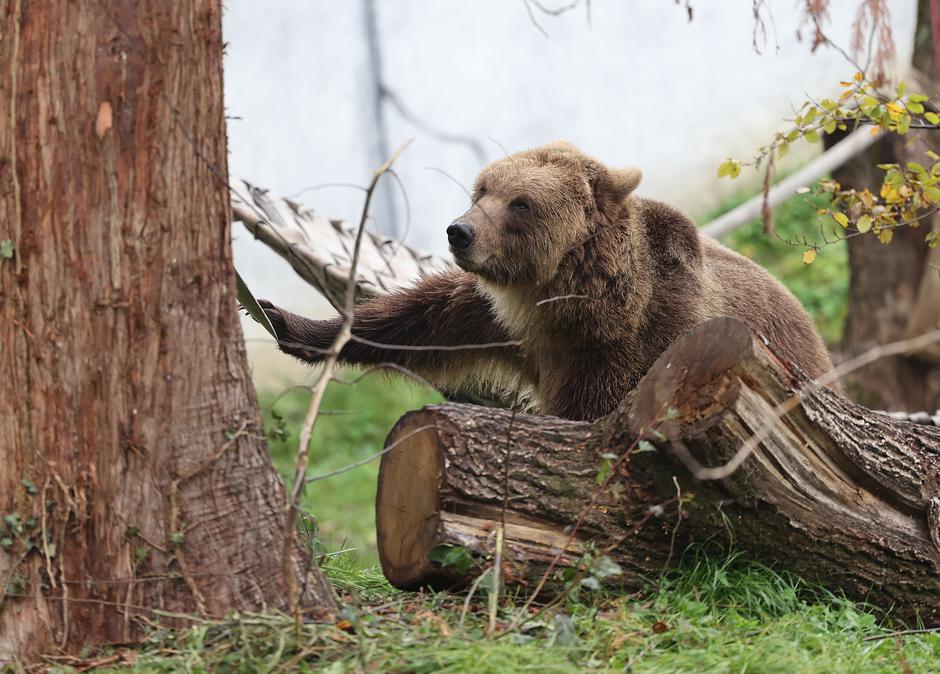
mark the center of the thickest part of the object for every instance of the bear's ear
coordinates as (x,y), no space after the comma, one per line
(562,146)
(625,180)
(611,186)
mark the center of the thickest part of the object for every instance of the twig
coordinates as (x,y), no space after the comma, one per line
(547,300)
(901,633)
(317,392)
(408,115)
(466,603)
(675,529)
(651,512)
(369,459)
(497,580)
(574,529)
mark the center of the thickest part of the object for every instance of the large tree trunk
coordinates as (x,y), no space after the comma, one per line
(889,294)
(135,475)
(885,291)
(833,492)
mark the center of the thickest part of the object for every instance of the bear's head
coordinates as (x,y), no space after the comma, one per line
(530,208)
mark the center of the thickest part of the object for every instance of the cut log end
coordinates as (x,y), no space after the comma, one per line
(407,503)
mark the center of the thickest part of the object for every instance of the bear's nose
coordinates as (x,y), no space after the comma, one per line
(460,236)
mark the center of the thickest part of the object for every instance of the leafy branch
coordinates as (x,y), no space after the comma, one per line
(909,193)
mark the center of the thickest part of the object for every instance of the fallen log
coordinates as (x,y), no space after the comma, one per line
(833,492)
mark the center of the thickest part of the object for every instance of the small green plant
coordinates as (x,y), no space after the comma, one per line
(452,556)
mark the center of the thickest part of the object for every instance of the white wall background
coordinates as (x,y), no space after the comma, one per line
(637,85)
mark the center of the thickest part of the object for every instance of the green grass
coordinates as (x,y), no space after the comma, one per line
(719,615)
(354,427)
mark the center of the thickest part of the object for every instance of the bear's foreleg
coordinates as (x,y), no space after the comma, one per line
(442,328)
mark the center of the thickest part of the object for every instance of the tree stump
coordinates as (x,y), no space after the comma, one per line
(833,491)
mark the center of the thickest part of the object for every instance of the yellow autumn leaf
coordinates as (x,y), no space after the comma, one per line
(841,218)
(809,256)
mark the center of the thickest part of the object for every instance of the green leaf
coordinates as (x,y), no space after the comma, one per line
(916,108)
(604,471)
(868,104)
(811,136)
(904,124)
(454,556)
(644,446)
(247,300)
(6,249)
(932,117)
(932,194)
(917,98)
(863,224)
(605,567)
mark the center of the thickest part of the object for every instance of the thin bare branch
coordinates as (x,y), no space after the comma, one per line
(368,459)
(317,393)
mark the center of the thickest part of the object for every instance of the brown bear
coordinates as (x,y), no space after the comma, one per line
(569,288)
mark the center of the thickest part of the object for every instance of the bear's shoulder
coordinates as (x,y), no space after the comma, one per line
(671,234)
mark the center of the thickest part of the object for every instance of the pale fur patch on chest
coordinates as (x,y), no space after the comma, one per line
(515,308)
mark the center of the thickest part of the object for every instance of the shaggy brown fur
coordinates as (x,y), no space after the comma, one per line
(592,282)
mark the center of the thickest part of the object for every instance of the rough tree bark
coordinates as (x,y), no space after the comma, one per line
(135,475)
(884,289)
(887,281)
(833,492)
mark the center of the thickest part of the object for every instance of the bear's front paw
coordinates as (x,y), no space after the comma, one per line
(277,318)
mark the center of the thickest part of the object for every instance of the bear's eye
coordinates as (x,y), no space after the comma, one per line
(519,205)
(480,192)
